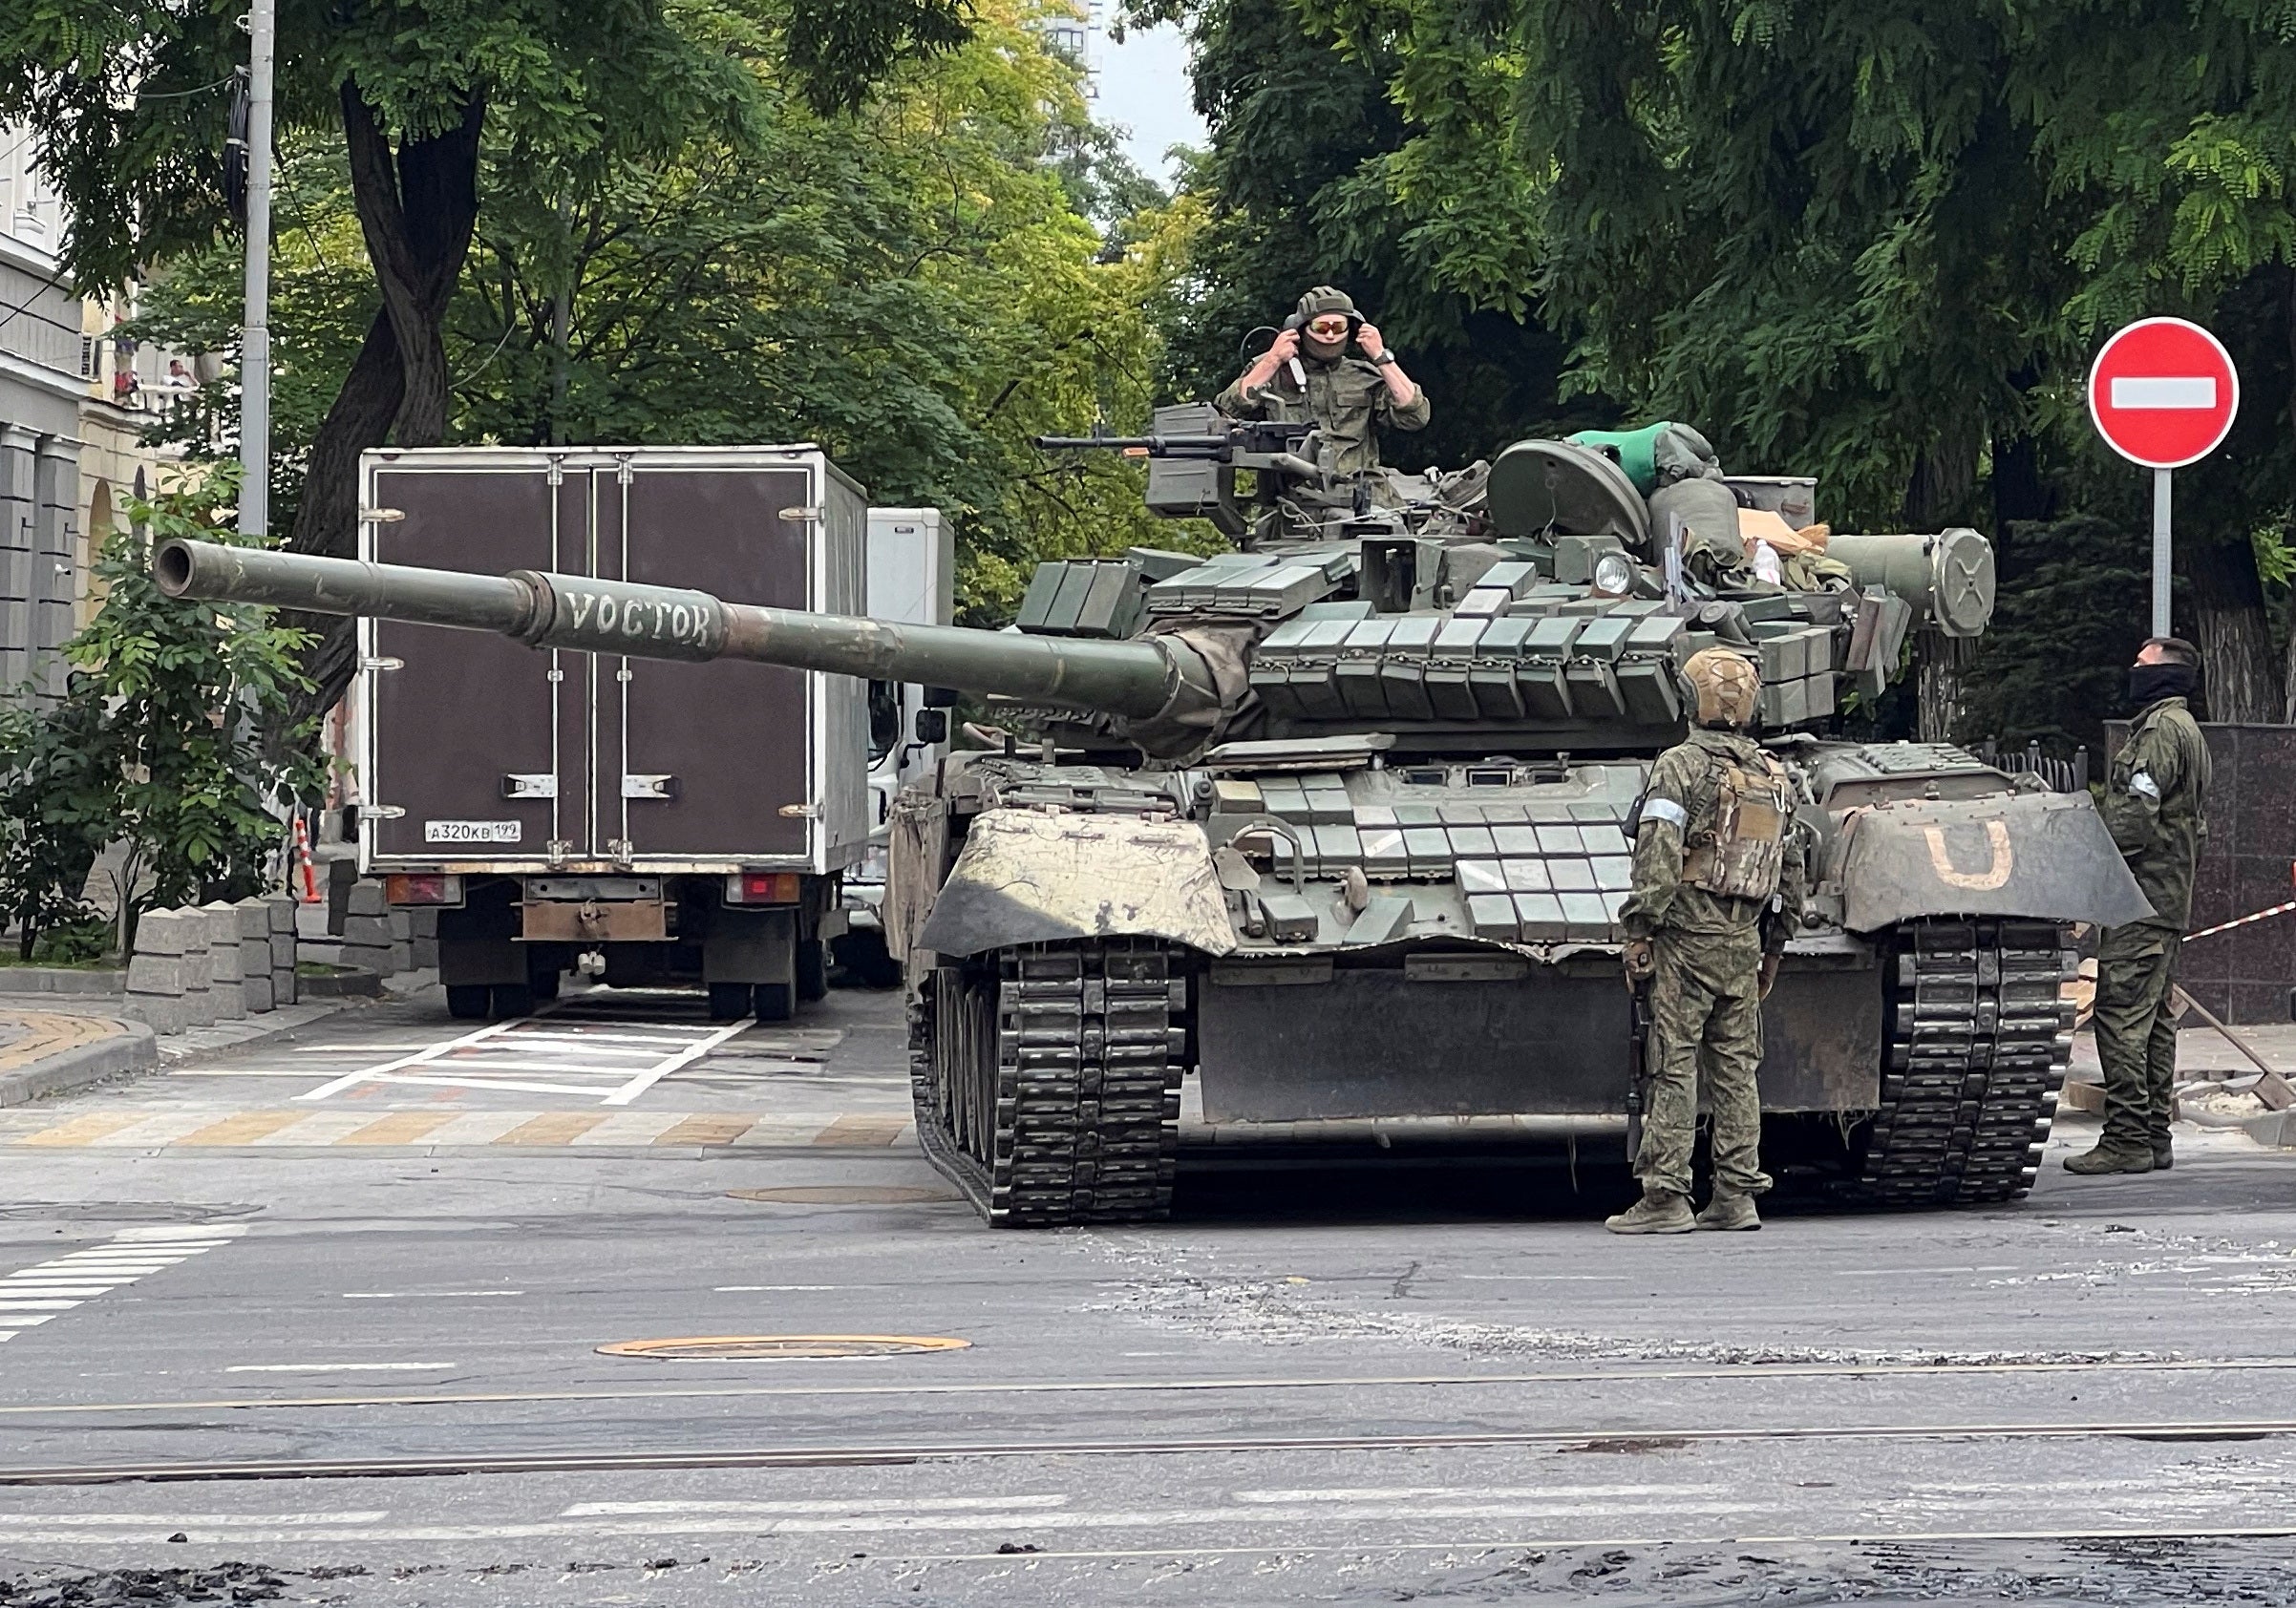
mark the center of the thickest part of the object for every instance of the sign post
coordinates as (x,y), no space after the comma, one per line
(2163,392)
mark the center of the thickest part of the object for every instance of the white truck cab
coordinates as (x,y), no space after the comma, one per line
(910,578)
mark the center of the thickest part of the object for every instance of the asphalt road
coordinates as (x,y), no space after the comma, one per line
(364,1264)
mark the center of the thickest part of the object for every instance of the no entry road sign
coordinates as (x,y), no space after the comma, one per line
(2162,392)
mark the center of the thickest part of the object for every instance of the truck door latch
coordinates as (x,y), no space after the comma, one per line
(650,787)
(529,784)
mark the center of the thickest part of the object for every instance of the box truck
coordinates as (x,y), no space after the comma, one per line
(670,823)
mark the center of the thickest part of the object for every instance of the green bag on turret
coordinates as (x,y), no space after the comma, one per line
(1656,455)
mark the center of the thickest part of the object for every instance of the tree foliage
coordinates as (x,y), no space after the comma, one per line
(1870,243)
(155,745)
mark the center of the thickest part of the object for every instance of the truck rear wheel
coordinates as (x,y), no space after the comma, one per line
(513,999)
(467,1001)
(729,1001)
(776,1002)
(813,969)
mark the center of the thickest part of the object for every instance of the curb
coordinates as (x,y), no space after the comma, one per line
(350,983)
(2275,1129)
(61,980)
(132,1048)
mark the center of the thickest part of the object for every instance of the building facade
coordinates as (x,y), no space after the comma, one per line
(76,405)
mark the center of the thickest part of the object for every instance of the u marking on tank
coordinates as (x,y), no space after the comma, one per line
(2003,860)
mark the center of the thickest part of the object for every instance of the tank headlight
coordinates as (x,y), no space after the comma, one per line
(1614,574)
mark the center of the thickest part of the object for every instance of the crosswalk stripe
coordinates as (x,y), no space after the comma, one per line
(244,1129)
(707,1131)
(555,1128)
(872,1127)
(399,1127)
(448,1128)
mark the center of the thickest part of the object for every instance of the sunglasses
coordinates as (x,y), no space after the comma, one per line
(1328,327)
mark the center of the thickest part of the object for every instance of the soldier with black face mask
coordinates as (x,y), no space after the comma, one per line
(2155,803)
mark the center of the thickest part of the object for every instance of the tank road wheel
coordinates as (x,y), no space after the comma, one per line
(1047,1080)
(1976,1044)
(467,1001)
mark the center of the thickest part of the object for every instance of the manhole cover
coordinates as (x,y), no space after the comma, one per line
(842,1194)
(121,1211)
(781,1347)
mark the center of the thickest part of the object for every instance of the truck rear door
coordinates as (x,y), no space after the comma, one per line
(698,761)
(473,739)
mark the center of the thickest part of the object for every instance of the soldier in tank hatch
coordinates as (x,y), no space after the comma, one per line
(2155,804)
(1310,374)
(1720,878)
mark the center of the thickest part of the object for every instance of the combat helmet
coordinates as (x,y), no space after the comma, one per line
(1726,686)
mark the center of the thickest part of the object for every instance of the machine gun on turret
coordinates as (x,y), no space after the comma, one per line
(1193,454)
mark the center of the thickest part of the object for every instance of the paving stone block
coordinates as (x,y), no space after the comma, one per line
(156,974)
(254,918)
(375,958)
(257,990)
(283,951)
(366,898)
(284,987)
(368,931)
(282,908)
(402,925)
(424,919)
(162,1013)
(426,953)
(402,958)
(311,922)
(167,932)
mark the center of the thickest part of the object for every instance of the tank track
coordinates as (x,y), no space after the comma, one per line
(1047,1080)
(1977,1043)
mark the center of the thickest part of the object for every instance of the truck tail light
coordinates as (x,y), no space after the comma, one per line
(404,888)
(762,887)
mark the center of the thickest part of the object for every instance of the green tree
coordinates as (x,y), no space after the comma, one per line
(120,97)
(155,745)
(914,283)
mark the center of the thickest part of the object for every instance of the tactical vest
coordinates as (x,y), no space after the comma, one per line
(1743,852)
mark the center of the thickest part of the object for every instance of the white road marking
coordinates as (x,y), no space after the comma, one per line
(754,1289)
(1467,1493)
(32,1295)
(2184,392)
(336,1368)
(367,1516)
(1037,1502)
(628,1061)
(422,1295)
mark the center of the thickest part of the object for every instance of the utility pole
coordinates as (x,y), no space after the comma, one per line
(255,336)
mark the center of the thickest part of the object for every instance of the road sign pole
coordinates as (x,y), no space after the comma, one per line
(255,334)
(2160,553)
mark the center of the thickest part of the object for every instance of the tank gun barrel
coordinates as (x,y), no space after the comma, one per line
(1134,680)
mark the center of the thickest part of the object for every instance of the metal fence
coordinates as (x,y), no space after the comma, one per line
(2060,775)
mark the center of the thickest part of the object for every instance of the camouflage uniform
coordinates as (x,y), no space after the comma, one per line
(1346,400)
(1706,994)
(2155,801)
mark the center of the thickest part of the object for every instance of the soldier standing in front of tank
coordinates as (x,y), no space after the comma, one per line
(2155,803)
(1719,886)
(1308,376)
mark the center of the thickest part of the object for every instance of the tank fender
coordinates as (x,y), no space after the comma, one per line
(1024,876)
(2043,855)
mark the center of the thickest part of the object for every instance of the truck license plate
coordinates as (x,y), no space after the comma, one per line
(470,832)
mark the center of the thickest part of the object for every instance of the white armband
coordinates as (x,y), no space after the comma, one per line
(1665,810)
(2141,781)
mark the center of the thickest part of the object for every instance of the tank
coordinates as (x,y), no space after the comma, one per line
(1325,838)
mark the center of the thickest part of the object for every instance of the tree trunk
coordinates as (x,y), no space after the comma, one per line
(417,212)
(2241,676)
(1944,477)
(416,215)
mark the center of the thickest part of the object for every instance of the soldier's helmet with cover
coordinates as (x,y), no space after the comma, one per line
(1324,299)
(1726,685)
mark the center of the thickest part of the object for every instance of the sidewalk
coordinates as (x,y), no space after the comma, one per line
(52,1044)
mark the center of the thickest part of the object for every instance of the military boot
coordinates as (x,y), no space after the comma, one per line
(1658,1212)
(2111,1158)
(2164,1157)
(1731,1213)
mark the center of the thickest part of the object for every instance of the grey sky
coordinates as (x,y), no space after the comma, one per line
(1144,90)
